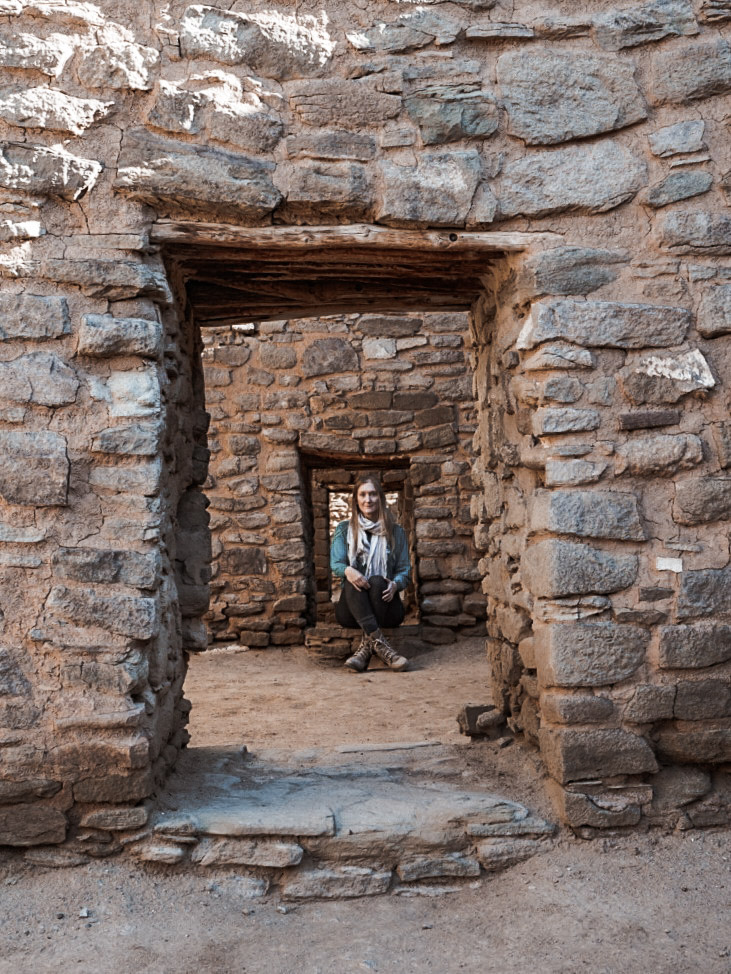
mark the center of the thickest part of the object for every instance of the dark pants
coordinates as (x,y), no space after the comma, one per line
(366,610)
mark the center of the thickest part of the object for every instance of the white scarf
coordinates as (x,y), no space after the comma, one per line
(373,552)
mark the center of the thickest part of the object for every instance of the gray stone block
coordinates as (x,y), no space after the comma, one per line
(269,853)
(32,824)
(570,270)
(340,881)
(553,569)
(502,853)
(139,439)
(48,108)
(567,473)
(722,438)
(701,501)
(679,186)
(34,468)
(327,355)
(313,189)
(332,145)
(702,700)
(47,55)
(121,65)
(607,324)
(587,514)
(664,378)
(286,47)
(432,867)
(588,654)
(674,787)
(679,138)
(648,419)
(102,336)
(33,317)
(194,177)
(348,104)
(575,708)
(40,378)
(646,22)
(555,96)
(46,172)
(13,682)
(714,316)
(572,755)
(590,178)
(697,232)
(706,745)
(558,355)
(127,615)
(660,455)
(705,592)
(437,191)
(694,647)
(698,70)
(551,420)
(446,116)
(650,702)
(102,566)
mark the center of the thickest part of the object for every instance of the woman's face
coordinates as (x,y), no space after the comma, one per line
(367,500)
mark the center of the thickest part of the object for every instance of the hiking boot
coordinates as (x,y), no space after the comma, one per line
(360,659)
(384,651)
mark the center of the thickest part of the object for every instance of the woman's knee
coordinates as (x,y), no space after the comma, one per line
(378,584)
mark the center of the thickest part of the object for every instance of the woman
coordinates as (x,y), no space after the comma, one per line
(370,553)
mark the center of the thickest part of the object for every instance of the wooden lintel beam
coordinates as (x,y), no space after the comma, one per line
(356,236)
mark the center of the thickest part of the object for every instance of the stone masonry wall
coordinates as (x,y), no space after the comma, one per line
(602,370)
(360,389)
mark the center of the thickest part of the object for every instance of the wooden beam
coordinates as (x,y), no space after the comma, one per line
(354,237)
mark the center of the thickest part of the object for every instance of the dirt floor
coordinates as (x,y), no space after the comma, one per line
(647,903)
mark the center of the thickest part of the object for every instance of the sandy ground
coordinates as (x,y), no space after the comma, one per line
(651,904)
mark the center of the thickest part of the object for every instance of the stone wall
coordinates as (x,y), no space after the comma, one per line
(291,399)
(603,445)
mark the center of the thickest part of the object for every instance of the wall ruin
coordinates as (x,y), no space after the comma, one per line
(603,443)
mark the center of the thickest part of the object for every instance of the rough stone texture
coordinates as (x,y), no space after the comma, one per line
(47,109)
(575,754)
(662,378)
(28,825)
(591,654)
(557,568)
(32,316)
(714,315)
(605,324)
(699,70)
(47,172)
(350,104)
(697,232)
(588,514)
(699,501)
(705,592)
(103,336)
(651,21)
(438,190)
(570,270)
(34,469)
(661,455)
(676,139)
(679,186)
(556,97)
(590,179)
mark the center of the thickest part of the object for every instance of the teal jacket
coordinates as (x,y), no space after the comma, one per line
(397,562)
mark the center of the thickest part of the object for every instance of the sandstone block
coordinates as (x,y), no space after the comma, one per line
(127,615)
(134,393)
(677,786)
(702,700)
(46,172)
(679,138)
(139,439)
(114,819)
(570,270)
(649,21)
(660,455)
(33,316)
(243,561)
(551,420)
(588,654)
(34,468)
(706,745)
(40,378)
(450,864)
(697,232)
(144,478)
(554,97)
(48,54)
(327,355)
(599,810)
(679,186)
(409,32)
(606,324)
(499,853)
(694,647)
(588,179)
(102,336)
(650,702)
(12,680)
(705,592)
(697,70)
(347,104)
(448,114)
(558,355)
(102,566)
(340,881)
(437,191)
(270,853)
(553,569)
(567,473)
(701,501)
(277,356)
(277,45)
(575,708)
(27,825)
(121,65)
(332,145)
(195,177)
(572,755)
(314,189)
(14,792)
(714,317)
(46,108)
(587,514)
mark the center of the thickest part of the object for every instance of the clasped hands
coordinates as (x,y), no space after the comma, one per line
(358,580)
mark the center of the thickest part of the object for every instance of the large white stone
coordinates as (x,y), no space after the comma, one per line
(46,172)
(119,65)
(45,54)
(46,108)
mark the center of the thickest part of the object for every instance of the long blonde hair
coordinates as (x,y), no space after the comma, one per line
(384,513)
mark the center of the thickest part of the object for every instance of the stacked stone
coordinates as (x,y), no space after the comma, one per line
(323,389)
(607,535)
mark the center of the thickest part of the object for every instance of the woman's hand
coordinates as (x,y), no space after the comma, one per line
(356,579)
(389,591)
